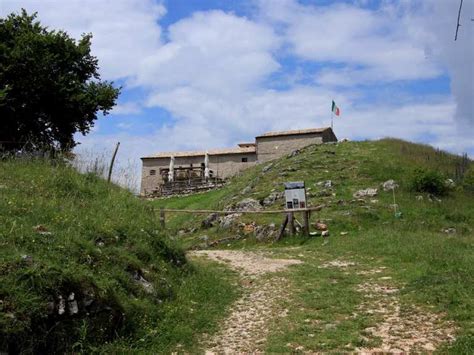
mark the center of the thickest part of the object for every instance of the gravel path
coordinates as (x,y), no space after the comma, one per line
(246,328)
(401,331)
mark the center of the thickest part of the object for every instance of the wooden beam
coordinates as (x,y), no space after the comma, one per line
(306,222)
(282,228)
(317,208)
(291,221)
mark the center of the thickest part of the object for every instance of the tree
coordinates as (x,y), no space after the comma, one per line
(50,87)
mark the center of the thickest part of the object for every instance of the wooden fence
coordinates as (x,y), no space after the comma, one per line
(288,216)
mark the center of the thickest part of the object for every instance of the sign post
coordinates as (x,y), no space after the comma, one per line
(295,198)
(295,195)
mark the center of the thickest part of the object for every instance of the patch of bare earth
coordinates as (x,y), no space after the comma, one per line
(246,328)
(400,330)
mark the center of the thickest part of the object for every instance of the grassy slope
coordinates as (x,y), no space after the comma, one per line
(94,238)
(435,269)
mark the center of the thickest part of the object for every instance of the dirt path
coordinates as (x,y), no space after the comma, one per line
(246,328)
(400,330)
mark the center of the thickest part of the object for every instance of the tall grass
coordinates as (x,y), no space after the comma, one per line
(70,237)
(124,173)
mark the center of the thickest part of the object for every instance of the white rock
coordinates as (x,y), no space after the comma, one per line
(327,184)
(367,192)
(450,183)
(61,305)
(72,307)
(389,185)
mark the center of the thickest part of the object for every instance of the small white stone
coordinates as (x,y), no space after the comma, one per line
(73,308)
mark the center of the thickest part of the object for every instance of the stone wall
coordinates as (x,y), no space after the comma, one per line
(222,166)
(269,148)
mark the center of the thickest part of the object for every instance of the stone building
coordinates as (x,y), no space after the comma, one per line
(189,167)
(273,145)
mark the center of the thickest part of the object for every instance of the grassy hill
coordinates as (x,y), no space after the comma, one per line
(429,248)
(85,267)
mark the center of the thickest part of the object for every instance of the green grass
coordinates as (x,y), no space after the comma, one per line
(98,236)
(63,232)
(434,270)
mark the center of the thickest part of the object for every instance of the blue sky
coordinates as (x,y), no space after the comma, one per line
(202,74)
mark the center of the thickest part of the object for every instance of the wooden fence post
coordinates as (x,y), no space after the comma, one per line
(306,222)
(113,161)
(282,228)
(162,218)
(291,221)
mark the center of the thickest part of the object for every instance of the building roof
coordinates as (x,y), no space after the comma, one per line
(225,151)
(243,148)
(294,132)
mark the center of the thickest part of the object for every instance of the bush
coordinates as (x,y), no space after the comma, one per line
(429,181)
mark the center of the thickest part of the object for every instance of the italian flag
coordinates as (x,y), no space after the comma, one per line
(335,109)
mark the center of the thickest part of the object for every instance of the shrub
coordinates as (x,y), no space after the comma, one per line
(428,181)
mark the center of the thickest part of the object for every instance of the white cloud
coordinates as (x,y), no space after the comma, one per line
(211,70)
(213,51)
(124,31)
(126,108)
(457,56)
(374,44)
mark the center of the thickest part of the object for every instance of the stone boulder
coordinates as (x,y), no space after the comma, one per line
(247,204)
(267,168)
(264,233)
(227,222)
(209,221)
(389,185)
(272,198)
(450,184)
(369,192)
(327,184)
(145,284)
(449,230)
(294,153)
(246,190)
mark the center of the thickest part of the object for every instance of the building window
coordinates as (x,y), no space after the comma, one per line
(244,160)
(153,172)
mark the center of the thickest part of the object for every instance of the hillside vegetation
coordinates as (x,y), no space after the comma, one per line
(424,247)
(84,267)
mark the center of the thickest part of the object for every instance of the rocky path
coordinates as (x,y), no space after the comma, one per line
(246,328)
(400,329)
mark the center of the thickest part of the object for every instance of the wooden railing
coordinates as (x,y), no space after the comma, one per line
(289,216)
